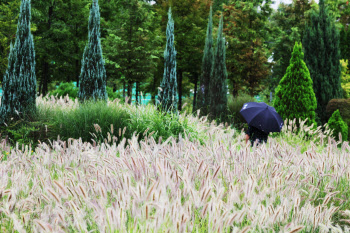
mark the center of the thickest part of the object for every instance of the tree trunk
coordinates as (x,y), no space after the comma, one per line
(154,91)
(77,66)
(77,71)
(124,89)
(40,87)
(129,91)
(46,71)
(195,92)
(179,83)
(137,92)
(234,92)
(45,78)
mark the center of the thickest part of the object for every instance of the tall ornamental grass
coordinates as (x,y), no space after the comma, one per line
(222,185)
(64,118)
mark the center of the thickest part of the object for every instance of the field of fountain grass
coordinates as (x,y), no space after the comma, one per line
(294,183)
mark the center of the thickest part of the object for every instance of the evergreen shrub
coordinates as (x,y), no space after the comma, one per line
(66,89)
(337,124)
(218,82)
(92,79)
(19,83)
(294,96)
(167,95)
(203,98)
(322,57)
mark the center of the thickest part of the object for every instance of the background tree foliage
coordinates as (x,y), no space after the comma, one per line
(247,35)
(288,24)
(190,18)
(132,47)
(259,42)
(9,11)
(322,57)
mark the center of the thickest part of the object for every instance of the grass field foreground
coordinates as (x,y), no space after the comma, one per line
(289,184)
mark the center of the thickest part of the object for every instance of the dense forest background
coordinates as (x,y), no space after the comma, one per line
(259,41)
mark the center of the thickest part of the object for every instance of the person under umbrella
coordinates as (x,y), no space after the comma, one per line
(262,119)
(255,135)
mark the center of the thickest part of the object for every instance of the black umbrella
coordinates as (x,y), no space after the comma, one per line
(262,117)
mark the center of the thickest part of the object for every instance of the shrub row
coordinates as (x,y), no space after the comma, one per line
(96,121)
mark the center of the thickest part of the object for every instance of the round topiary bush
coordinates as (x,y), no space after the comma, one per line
(337,124)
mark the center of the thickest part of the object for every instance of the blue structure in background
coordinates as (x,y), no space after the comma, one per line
(145,98)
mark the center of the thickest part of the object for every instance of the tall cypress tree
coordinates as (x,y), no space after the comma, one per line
(294,96)
(218,81)
(322,55)
(19,84)
(167,96)
(92,80)
(203,100)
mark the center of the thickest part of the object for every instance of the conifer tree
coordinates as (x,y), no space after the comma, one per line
(294,96)
(19,84)
(167,96)
(218,81)
(92,80)
(207,67)
(322,57)
(337,124)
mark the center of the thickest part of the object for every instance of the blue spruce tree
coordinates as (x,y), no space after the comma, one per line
(167,96)
(218,81)
(203,100)
(19,83)
(92,80)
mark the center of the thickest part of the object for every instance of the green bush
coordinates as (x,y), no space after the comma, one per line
(235,105)
(112,95)
(337,124)
(294,96)
(66,89)
(79,122)
(51,121)
(26,129)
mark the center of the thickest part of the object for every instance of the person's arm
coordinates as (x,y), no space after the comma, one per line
(247,135)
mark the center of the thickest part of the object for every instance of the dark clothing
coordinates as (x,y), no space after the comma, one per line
(256,134)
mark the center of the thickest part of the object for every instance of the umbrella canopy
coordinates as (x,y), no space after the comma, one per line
(262,117)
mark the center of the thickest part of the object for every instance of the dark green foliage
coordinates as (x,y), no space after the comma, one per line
(19,84)
(235,105)
(218,5)
(66,89)
(113,95)
(218,81)
(337,124)
(72,91)
(288,27)
(8,25)
(167,96)
(132,46)
(247,32)
(322,55)
(92,80)
(294,96)
(203,100)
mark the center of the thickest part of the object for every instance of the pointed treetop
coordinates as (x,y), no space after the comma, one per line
(170,15)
